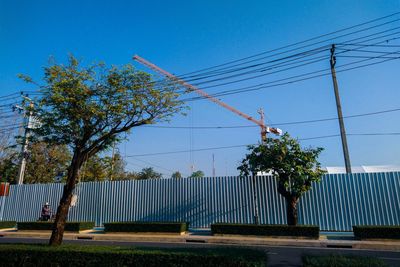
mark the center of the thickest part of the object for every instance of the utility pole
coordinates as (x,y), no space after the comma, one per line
(339,111)
(25,141)
(112,161)
(213,166)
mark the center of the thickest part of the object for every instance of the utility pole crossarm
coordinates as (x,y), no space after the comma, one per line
(197,90)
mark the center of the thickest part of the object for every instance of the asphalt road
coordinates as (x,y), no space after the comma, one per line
(278,256)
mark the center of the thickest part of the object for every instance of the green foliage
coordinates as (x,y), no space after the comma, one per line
(162,227)
(197,174)
(294,167)
(376,231)
(9,167)
(79,255)
(94,169)
(176,175)
(148,173)
(309,231)
(69,226)
(341,261)
(89,108)
(45,162)
(7,224)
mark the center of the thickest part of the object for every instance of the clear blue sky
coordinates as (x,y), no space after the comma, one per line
(183,36)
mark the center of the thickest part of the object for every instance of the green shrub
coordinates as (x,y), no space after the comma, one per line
(310,231)
(7,224)
(75,255)
(69,226)
(164,227)
(376,231)
(341,261)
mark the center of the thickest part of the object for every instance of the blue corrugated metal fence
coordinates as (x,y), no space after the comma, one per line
(337,203)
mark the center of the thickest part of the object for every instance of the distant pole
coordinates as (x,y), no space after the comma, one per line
(213,166)
(255,199)
(112,161)
(24,148)
(339,111)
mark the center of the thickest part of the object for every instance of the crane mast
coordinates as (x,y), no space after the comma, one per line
(261,122)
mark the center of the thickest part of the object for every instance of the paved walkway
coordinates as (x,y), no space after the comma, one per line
(330,240)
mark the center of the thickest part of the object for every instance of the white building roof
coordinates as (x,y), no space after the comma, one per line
(364,169)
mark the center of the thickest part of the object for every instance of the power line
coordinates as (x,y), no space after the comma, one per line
(245,145)
(273,124)
(289,80)
(294,44)
(218,72)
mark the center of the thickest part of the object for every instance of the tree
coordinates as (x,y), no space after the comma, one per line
(9,156)
(45,162)
(294,168)
(176,175)
(197,174)
(9,166)
(115,167)
(148,173)
(88,108)
(94,169)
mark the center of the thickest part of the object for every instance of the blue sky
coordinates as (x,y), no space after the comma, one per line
(184,36)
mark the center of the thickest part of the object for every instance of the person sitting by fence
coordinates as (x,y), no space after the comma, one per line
(45,215)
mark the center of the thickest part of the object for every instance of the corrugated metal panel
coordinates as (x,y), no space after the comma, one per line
(335,204)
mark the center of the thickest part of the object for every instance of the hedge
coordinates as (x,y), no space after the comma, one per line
(309,231)
(90,255)
(69,226)
(376,231)
(341,261)
(163,227)
(7,224)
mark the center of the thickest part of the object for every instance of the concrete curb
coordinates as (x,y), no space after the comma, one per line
(323,242)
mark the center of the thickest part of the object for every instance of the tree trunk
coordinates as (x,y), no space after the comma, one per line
(65,201)
(291,210)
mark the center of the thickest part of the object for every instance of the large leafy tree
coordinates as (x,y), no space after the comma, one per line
(197,174)
(176,175)
(45,162)
(294,167)
(9,166)
(148,173)
(88,108)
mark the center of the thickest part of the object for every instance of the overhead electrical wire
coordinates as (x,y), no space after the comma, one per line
(288,63)
(304,52)
(245,145)
(274,124)
(341,52)
(299,55)
(294,44)
(292,79)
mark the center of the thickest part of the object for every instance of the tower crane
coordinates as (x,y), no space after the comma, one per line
(261,122)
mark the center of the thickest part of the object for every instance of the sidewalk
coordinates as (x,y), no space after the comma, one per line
(326,240)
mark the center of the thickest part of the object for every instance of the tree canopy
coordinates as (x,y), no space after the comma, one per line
(88,108)
(294,167)
(197,174)
(176,175)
